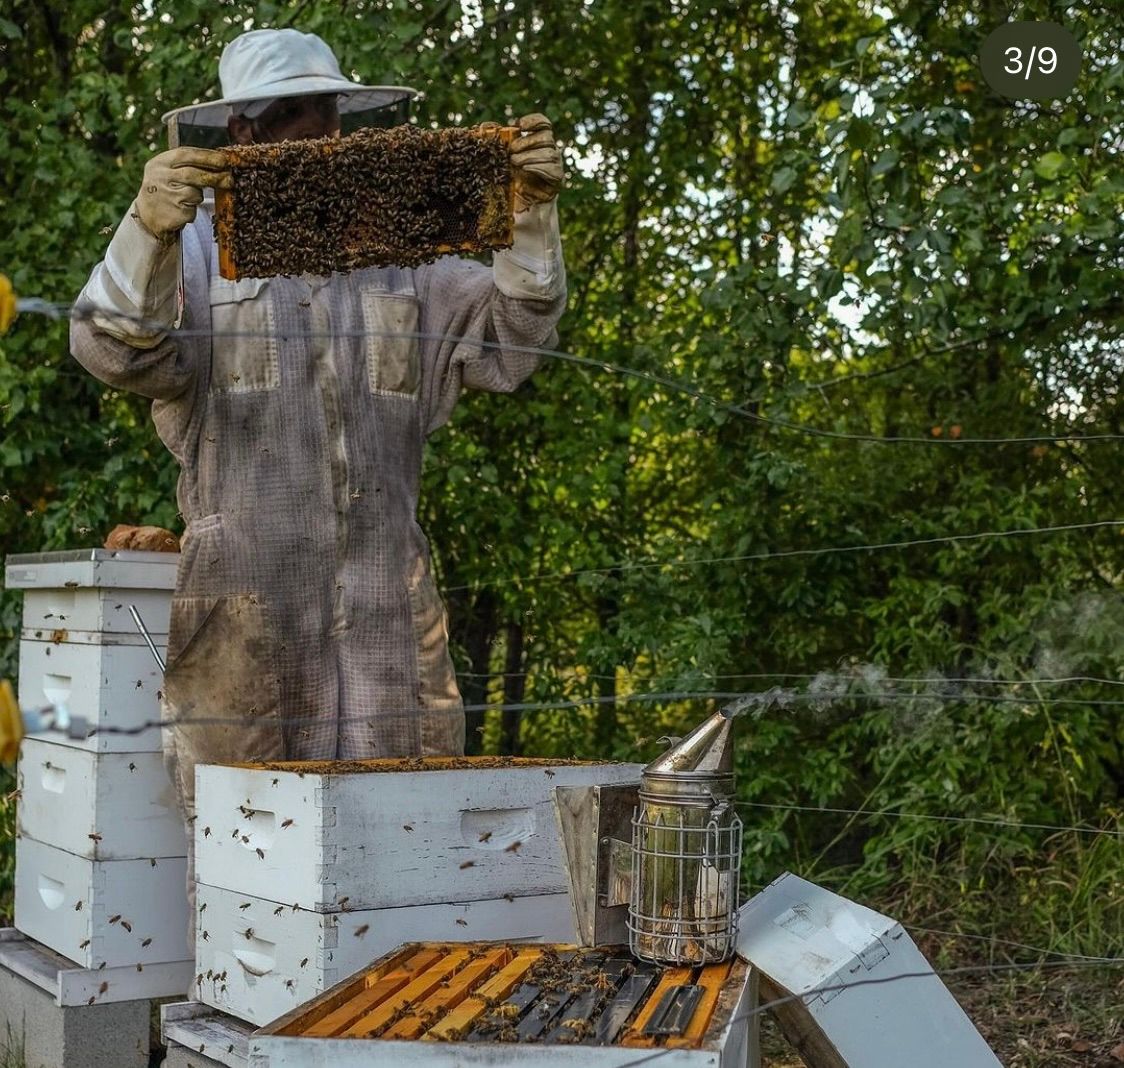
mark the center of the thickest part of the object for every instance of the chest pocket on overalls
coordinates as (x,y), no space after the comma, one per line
(244,351)
(393,361)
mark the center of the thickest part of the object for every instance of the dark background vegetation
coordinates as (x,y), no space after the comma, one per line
(816,211)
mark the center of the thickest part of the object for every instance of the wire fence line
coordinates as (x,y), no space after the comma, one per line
(857,678)
(761,702)
(626,565)
(1041,951)
(978,821)
(943,974)
(58,310)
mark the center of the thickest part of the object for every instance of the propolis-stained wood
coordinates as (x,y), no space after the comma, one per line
(393,764)
(443,1005)
(402,196)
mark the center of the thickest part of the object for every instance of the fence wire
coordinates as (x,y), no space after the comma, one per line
(59,310)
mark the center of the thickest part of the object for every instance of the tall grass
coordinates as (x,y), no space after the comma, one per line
(11,1050)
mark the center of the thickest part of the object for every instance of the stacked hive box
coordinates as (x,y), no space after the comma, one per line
(308,872)
(100,856)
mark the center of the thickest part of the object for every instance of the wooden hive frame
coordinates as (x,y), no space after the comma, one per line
(226,208)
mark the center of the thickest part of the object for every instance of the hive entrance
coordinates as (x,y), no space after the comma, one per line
(376,198)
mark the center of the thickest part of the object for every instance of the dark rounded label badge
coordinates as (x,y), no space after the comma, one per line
(1031,60)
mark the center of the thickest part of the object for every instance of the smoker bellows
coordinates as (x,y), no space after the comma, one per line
(402,196)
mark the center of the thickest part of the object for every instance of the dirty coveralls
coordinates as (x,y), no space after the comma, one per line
(305,614)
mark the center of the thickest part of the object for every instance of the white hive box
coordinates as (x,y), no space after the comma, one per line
(91,589)
(66,902)
(79,646)
(379,838)
(809,942)
(109,686)
(261,959)
(101,806)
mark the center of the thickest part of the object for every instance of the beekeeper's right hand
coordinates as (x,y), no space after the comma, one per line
(173,186)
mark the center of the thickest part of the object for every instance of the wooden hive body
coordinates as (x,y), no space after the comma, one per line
(100,855)
(260,959)
(379,838)
(80,647)
(101,806)
(67,903)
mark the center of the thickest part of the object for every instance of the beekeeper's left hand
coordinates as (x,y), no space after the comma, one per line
(536,162)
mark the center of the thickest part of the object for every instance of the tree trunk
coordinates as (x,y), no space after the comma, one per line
(514,691)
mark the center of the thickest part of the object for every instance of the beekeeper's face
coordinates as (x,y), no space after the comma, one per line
(288,119)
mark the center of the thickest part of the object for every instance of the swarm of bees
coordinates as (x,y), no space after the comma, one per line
(402,196)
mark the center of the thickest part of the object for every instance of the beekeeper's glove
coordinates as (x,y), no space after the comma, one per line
(173,186)
(536,162)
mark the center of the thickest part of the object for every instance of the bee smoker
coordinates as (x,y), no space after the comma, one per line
(656,862)
(686,851)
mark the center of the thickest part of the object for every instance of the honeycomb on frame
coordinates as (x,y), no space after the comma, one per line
(375,198)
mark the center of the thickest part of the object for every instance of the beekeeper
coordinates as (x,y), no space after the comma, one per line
(305,622)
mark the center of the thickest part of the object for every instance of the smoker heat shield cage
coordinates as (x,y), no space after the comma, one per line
(671,885)
(400,196)
(686,860)
(444,1004)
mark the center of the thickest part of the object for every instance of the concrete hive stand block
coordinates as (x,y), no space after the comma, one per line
(44,1005)
(261,959)
(385,839)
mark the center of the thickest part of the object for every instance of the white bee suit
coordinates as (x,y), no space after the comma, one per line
(305,614)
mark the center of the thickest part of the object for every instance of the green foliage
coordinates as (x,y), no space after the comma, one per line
(822,215)
(7,841)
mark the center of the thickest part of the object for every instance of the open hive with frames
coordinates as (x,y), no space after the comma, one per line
(401,197)
(439,998)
